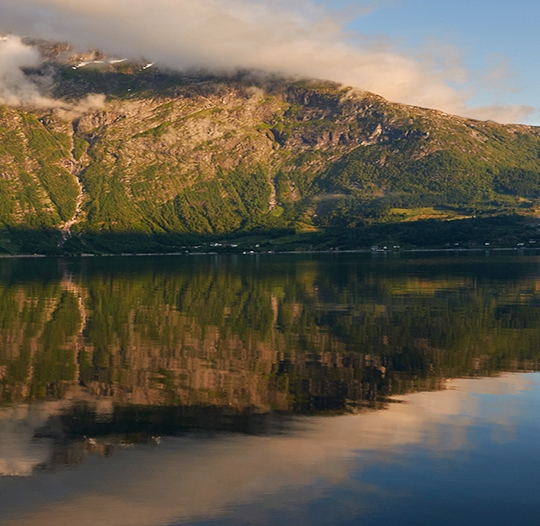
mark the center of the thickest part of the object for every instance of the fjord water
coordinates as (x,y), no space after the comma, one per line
(265,389)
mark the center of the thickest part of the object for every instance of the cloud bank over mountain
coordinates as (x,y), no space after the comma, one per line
(18,89)
(295,37)
(15,88)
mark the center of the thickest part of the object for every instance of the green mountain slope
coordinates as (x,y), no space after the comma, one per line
(172,161)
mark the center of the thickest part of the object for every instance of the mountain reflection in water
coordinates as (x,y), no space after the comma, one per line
(190,388)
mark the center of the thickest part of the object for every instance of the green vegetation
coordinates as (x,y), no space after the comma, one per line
(37,190)
(80,147)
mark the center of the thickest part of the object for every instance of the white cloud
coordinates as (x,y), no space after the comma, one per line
(17,89)
(297,37)
(501,112)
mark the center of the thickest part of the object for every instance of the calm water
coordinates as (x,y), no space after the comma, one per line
(331,389)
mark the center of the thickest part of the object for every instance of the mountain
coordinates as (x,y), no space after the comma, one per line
(174,161)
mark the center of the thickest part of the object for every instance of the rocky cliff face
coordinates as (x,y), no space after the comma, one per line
(168,154)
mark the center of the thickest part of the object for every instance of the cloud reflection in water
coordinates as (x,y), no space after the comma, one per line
(193,479)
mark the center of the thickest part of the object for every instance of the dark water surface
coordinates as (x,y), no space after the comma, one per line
(316,389)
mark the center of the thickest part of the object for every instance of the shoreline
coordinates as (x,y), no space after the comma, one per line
(259,253)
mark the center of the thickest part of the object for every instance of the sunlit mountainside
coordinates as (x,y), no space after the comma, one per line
(170,161)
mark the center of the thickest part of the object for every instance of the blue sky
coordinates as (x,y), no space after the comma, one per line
(498,41)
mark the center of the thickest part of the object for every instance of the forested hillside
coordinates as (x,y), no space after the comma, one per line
(176,161)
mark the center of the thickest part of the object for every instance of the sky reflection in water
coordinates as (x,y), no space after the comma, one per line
(469,449)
